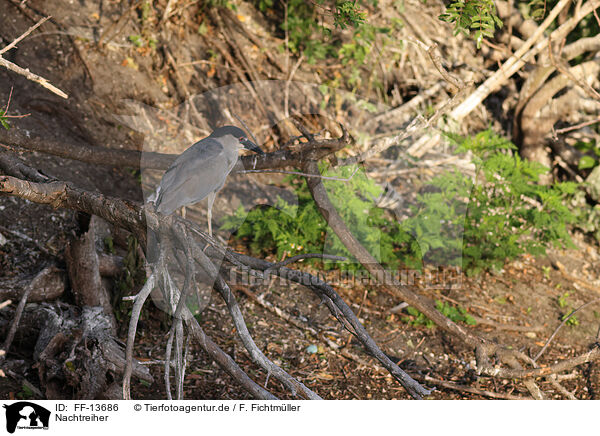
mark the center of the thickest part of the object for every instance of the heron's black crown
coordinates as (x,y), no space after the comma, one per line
(234,131)
(239,134)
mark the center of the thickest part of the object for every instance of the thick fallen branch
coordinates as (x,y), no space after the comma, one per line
(84,272)
(406,293)
(284,158)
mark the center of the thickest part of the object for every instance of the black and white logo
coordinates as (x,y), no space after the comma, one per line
(26,415)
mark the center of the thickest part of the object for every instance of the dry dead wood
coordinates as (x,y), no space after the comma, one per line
(47,285)
(84,272)
(533,46)
(131,217)
(282,158)
(25,71)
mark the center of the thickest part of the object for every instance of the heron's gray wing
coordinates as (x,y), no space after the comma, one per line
(197,172)
(202,151)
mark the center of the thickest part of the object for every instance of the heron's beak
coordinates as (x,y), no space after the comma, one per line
(249,145)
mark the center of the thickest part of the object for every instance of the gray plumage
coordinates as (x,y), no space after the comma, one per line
(201,170)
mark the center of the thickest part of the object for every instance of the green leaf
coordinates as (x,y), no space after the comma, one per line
(587,162)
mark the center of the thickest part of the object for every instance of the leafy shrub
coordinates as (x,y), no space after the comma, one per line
(588,161)
(292,229)
(504,214)
(478,16)
(456,314)
(305,26)
(564,303)
(278,229)
(510,213)
(3,119)
(314,29)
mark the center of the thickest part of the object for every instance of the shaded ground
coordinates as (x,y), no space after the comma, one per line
(523,305)
(528,294)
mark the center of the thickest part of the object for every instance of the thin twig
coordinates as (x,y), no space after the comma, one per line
(297,173)
(576,127)
(184,362)
(167,11)
(307,256)
(120,22)
(4,114)
(563,68)
(167,362)
(509,327)
(561,388)
(470,389)
(246,127)
(286,101)
(437,62)
(564,321)
(136,310)
(259,299)
(400,112)
(18,312)
(31,76)
(180,370)
(8,102)
(22,380)
(25,72)
(24,35)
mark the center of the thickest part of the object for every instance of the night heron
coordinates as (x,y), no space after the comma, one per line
(201,170)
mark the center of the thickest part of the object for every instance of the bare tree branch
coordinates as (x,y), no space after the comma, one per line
(31,76)
(24,35)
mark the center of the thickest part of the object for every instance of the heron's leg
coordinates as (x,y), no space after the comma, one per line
(211,200)
(183,212)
